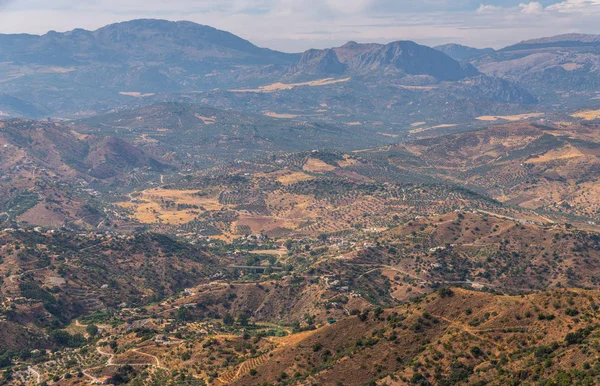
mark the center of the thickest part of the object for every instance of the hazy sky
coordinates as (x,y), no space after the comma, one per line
(295,25)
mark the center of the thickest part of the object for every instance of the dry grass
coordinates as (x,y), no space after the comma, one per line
(347,161)
(510,118)
(588,115)
(292,178)
(81,137)
(210,202)
(55,70)
(422,129)
(152,213)
(423,88)
(145,139)
(288,86)
(136,94)
(281,116)
(388,135)
(206,120)
(571,66)
(314,165)
(151,209)
(567,152)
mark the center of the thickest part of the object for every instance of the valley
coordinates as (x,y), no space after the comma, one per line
(179,206)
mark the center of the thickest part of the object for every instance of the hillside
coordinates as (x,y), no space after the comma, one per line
(202,136)
(450,337)
(547,167)
(314,267)
(51,278)
(459,338)
(50,173)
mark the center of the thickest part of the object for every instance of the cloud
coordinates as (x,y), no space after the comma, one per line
(483,8)
(532,8)
(576,6)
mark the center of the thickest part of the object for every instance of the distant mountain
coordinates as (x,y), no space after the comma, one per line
(567,40)
(182,43)
(84,71)
(144,62)
(318,62)
(401,58)
(560,69)
(413,59)
(460,52)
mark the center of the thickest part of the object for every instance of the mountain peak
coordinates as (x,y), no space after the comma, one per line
(322,62)
(462,52)
(414,59)
(350,44)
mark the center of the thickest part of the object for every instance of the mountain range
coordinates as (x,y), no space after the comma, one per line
(141,62)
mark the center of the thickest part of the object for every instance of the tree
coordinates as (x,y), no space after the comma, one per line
(92,330)
(183,314)
(445,292)
(288,244)
(242,319)
(228,319)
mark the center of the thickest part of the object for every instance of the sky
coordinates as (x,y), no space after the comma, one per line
(296,25)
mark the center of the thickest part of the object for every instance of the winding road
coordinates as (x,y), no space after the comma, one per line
(31,370)
(380,267)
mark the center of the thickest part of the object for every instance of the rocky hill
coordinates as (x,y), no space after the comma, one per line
(401,57)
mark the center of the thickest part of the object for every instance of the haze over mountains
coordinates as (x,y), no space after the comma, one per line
(147,61)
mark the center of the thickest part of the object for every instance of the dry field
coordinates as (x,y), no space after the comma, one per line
(281,116)
(314,165)
(510,118)
(136,94)
(151,206)
(288,86)
(292,178)
(206,120)
(588,115)
(563,153)
(422,129)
